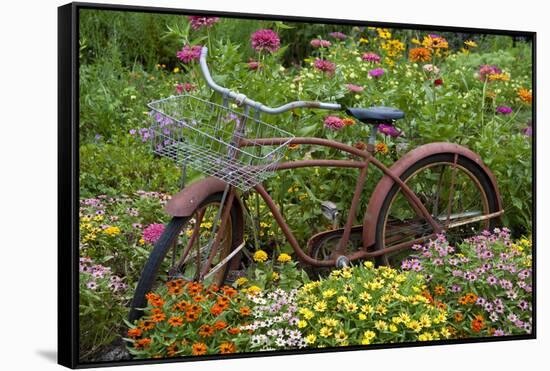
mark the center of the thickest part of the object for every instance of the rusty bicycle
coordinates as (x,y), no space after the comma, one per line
(435,188)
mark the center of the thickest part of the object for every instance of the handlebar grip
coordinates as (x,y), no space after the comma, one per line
(257,105)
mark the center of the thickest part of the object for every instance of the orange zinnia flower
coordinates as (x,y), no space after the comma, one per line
(477,323)
(234,330)
(146,325)
(213,288)
(134,333)
(172,350)
(229,291)
(220,325)
(199,298)
(348,121)
(471,298)
(157,302)
(245,311)
(420,55)
(156,310)
(194,288)
(176,290)
(191,316)
(152,296)
(525,95)
(175,321)
(171,284)
(206,331)
(180,306)
(428,296)
(463,300)
(458,317)
(293,146)
(439,290)
(194,308)
(142,343)
(158,317)
(216,309)
(227,347)
(199,349)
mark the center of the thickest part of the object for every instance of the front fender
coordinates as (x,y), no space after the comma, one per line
(400,166)
(187,200)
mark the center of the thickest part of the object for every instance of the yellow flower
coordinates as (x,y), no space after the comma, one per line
(342,300)
(392,327)
(414,325)
(253,290)
(330,322)
(284,258)
(112,231)
(307,313)
(415,41)
(384,33)
(470,43)
(340,336)
(366,308)
(275,276)
(381,309)
(369,335)
(425,320)
(425,336)
(260,256)
(141,241)
(325,332)
(499,77)
(176,70)
(327,294)
(404,317)
(351,307)
(363,41)
(321,306)
(241,281)
(335,273)
(445,332)
(302,324)
(346,273)
(98,218)
(365,296)
(310,339)
(189,232)
(435,42)
(368,264)
(362,316)
(206,225)
(381,325)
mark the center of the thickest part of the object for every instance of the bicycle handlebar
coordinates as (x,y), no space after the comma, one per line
(243,99)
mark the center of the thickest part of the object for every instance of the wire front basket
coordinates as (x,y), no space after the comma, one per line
(206,136)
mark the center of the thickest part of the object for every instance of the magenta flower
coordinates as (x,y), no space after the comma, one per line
(505,110)
(325,66)
(316,43)
(265,40)
(187,87)
(153,232)
(376,73)
(334,123)
(528,131)
(389,130)
(198,22)
(253,65)
(355,88)
(338,35)
(189,53)
(371,57)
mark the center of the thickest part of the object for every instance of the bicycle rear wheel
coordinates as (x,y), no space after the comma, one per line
(454,208)
(183,251)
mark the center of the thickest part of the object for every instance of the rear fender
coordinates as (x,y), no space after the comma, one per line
(400,166)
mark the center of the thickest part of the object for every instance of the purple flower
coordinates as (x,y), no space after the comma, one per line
(505,110)
(97,137)
(376,73)
(334,122)
(189,53)
(485,70)
(390,130)
(371,57)
(488,307)
(355,88)
(338,35)
(265,40)
(325,66)
(91,285)
(470,276)
(132,131)
(198,22)
(523,305)
(456,288)
(317,43)
(528,131)
(498,332)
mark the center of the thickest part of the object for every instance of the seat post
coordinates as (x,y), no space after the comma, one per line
(372,138)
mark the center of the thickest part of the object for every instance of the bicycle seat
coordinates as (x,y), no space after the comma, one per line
(375,115)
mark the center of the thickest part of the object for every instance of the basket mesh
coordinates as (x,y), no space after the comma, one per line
(204,135)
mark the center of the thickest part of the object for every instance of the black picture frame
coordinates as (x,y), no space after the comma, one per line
(68,177)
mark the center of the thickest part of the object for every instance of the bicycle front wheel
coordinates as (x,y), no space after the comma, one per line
(184,251)
(457,197)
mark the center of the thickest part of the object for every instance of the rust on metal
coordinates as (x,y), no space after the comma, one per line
(185,202)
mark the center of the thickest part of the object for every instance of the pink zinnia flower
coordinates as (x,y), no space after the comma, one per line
(338,35)
(371,57)
(325,66)
(334,123)
(189,53)
(265,40)
(355,88)
(198,22)
(153,232)
(376,73)
(316,43)
(253,65)
(390,130)
(505,110)
(188,87)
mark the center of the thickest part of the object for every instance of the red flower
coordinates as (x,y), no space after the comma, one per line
(438,82)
